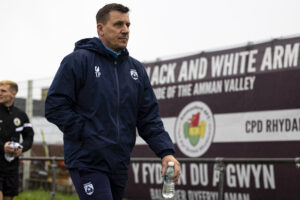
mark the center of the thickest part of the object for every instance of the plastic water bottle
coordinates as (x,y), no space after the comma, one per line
(168,190)
(10,156)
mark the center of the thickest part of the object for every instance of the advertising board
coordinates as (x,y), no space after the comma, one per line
(239,102)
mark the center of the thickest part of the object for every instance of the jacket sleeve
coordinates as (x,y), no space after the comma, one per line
(61,98)
(1,147)
(149,123)
(27,134)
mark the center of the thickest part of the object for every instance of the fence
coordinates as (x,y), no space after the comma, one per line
(220,166)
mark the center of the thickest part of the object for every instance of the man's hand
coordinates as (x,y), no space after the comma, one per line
(8,148)
(164,163)
(18,152)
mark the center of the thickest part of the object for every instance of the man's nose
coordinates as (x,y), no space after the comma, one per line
(125,29)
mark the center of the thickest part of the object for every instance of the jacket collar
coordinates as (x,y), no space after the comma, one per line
(96,45)
(5,108)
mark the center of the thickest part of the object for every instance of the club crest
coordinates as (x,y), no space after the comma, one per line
(134,74)
(17,121)
(195,129)
(88,188)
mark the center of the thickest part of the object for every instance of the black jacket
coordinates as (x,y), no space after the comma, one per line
(13,123)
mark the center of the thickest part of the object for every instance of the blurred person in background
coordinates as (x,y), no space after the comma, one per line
(98,98)
(13,123)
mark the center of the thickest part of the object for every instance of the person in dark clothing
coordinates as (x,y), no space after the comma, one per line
(98,98)
(13,123)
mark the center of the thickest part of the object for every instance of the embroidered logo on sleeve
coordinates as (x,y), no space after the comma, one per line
(88,188)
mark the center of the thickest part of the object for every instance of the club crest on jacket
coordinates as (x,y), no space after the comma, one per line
(134,74)
(17,121)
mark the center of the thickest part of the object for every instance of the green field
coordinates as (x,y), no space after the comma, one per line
(43,195)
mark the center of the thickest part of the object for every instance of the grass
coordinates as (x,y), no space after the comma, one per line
(43,195)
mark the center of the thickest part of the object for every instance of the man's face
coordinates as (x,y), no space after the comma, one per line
(115,33)
(7,96)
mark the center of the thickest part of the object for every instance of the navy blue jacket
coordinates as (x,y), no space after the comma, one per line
(98,101)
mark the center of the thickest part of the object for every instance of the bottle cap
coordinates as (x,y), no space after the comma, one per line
(171,164)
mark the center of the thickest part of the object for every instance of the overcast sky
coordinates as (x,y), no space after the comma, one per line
(36,34)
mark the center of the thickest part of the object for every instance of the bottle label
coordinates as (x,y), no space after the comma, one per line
(169,174)
(168,179)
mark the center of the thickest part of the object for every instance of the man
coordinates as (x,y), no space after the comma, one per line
(13,123)
(98,97)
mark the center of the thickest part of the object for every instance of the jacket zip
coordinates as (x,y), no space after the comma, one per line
(118,101)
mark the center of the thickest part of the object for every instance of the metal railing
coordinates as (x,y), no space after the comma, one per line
(220,162)
(53,165)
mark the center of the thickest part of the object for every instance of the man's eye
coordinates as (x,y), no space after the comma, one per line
(118,24)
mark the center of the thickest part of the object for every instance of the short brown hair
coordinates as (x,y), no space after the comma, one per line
(102,14)
(13,85)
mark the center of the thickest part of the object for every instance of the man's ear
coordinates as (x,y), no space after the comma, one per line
(14,93)
(100,29)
